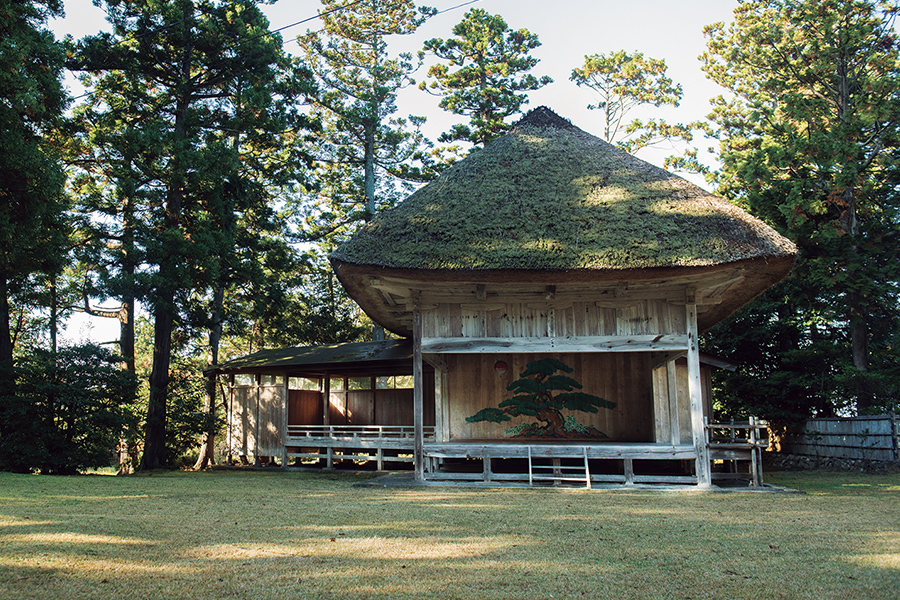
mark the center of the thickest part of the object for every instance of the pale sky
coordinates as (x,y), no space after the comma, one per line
(568,30)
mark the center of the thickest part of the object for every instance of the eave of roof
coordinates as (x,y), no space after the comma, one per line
(332,357)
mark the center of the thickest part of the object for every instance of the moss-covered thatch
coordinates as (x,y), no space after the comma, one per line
(548,196)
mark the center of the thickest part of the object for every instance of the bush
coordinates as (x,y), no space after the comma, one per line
(68,413)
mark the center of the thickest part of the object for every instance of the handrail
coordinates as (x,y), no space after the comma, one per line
(752,426)
(358,431)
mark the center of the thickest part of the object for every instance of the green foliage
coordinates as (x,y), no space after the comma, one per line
(187,417)
(623,82)
(535,397)
(362,147)
(193,106)
(33,224)
(492,64)
(70,410)
(809,142)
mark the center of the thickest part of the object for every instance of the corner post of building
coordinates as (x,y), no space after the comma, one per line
(418,395)
(257,390)
(698,425)
(286,391)
(229,420)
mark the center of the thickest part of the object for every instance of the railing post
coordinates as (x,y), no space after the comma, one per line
(754,464)
(894,445)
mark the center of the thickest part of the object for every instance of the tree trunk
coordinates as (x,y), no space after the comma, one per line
(7,377)
(154,456)
(126,321)
(208,443)
(859,327)
(377,330)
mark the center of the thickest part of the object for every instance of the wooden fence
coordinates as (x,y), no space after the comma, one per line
(868,438)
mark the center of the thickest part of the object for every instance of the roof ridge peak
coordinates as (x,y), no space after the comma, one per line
(543,116)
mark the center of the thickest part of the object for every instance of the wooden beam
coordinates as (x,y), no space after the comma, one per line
(437,362)
(658,360)
(418,396)
(698,425)
(603,343)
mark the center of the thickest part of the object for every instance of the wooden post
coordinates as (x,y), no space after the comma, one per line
(418,396)
(698,428)
(284,420)
(229,418)
(672,385)
(258,379)
(894,445)
(326,416)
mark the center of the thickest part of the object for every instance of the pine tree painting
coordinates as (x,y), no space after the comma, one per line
(542,393)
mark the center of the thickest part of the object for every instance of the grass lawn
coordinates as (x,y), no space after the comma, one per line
(260,535)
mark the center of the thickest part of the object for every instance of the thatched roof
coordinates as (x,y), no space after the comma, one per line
(549,196)
(550,204)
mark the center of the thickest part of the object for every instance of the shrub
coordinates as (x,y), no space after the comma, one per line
(68,413)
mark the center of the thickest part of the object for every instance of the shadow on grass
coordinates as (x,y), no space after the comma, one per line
(262,535)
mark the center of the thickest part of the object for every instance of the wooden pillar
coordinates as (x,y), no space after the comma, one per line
(326,416)
(672,387)
(285,401)
(257,378)
(418,396)
(229,418)
(698,425)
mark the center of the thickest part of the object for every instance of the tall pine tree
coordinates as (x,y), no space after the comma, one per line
(365,153)
(185,93)
(33,228)
(485,75)
(809,138)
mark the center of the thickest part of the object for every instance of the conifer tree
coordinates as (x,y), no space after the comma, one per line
(33,228)
(624,82)
(365,153)
(191,99)
(485,75)
(809,135)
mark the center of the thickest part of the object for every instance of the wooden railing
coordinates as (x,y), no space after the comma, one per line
(354,432)
(739,441)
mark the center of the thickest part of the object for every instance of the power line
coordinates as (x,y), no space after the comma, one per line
(278,30)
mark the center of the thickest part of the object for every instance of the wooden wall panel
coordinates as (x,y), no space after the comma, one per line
(395,407)
(640,317)
(474,384)
(305,407)
(243,421)
(271,419)
(361,407)
(684,401)
(337,408)
(661,420)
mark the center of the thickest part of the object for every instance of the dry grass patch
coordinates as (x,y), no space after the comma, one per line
(292,535)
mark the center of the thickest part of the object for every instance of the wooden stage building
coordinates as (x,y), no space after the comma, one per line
(550,290)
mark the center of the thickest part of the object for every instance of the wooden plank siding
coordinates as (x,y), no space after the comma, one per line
(257,421)
(562,320)
(473,384)
(271,420)
(378,407)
